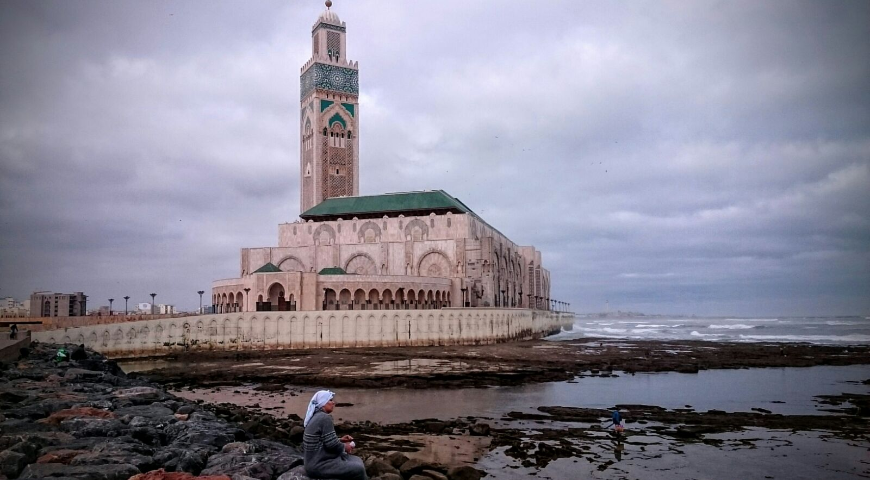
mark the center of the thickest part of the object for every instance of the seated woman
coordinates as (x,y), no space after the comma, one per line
(327,456)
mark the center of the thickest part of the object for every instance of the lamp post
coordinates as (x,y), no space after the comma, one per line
(200,292)
(152,303)
(126,297)
(110,306)
(247,289)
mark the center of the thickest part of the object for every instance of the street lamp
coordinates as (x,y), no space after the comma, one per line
(200,292)
(110,306)
(126,297)
(152,302)
(246,298)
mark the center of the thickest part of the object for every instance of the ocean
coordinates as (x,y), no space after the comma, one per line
(820,330)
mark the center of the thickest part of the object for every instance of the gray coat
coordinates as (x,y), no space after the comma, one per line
(324,454)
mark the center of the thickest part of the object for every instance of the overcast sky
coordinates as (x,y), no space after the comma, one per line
(707,158)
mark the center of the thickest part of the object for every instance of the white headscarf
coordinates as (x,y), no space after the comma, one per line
(317,401)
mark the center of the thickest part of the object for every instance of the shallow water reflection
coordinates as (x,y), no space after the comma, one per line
(729,390)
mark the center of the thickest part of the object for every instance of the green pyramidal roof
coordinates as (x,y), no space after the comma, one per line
(373,206)
(267,268)
(332,271)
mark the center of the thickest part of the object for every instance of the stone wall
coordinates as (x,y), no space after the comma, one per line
(310,329)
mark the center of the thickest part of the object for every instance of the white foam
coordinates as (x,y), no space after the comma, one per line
(695,333)
(809,338)
(736,326)
(644,325)
(751,319)
(840,322)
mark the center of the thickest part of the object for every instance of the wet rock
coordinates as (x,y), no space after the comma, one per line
(463,472)
(295,473)
(184,458)
(480,429)
(376,467)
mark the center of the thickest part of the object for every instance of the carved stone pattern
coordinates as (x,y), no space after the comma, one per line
(361,265)
(434,264)
(329,77)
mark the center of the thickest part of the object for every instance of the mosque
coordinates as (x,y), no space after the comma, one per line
(409,250)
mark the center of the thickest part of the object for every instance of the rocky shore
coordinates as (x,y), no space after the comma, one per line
(85,419)
(502,364)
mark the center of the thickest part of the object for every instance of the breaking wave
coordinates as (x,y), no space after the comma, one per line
(736,326)
(856,338)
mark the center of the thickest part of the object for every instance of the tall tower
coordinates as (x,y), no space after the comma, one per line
(329,150)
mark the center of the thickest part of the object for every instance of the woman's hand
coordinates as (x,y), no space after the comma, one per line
(348,448)
(346,439)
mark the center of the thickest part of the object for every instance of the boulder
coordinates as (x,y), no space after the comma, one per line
(62,456)
(480,429)
(388,476)
(463,472)
(164,475)
(79,412)
(396,459)
(376,467)
(186,409)
(433,475)
(93,427)
(259,459)
(88,472)
(419,477)
(413,466)
(140,395)
(12,463)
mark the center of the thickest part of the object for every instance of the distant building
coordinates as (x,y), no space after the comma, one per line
(47,304)
(159,309)
(9,308)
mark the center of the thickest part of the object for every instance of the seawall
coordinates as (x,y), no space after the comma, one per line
(251,331)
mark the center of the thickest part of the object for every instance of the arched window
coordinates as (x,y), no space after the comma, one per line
(324,131)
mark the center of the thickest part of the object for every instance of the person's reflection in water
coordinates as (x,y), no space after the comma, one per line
(618,449)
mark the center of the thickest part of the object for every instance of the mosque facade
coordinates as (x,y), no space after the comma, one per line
(409,250)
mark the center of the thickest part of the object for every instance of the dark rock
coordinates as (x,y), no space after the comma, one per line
(93,427)
(260,459)
(435,427)
(186,409)
(480,429)
(81,412)
(184,458)
(376,467)
(87,472)
(12,463)
(296,434)
(140,395)
(388,476)
(295,473)
(62,456)
(162,474)
(463,472)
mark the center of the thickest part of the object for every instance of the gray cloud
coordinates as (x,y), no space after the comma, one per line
(709,158)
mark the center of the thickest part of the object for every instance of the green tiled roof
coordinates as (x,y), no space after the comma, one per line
(268,268)
(412,203)
(332,271)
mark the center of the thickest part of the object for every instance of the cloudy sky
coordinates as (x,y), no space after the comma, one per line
(667,157)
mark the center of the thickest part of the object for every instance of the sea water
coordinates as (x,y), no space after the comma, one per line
(820,330)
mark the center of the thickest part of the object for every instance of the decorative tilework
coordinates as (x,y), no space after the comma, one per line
(337,118)
(349,107)
(324,104)
(329,77)
(328,26)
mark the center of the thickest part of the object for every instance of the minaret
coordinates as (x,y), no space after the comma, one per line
(329,123)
